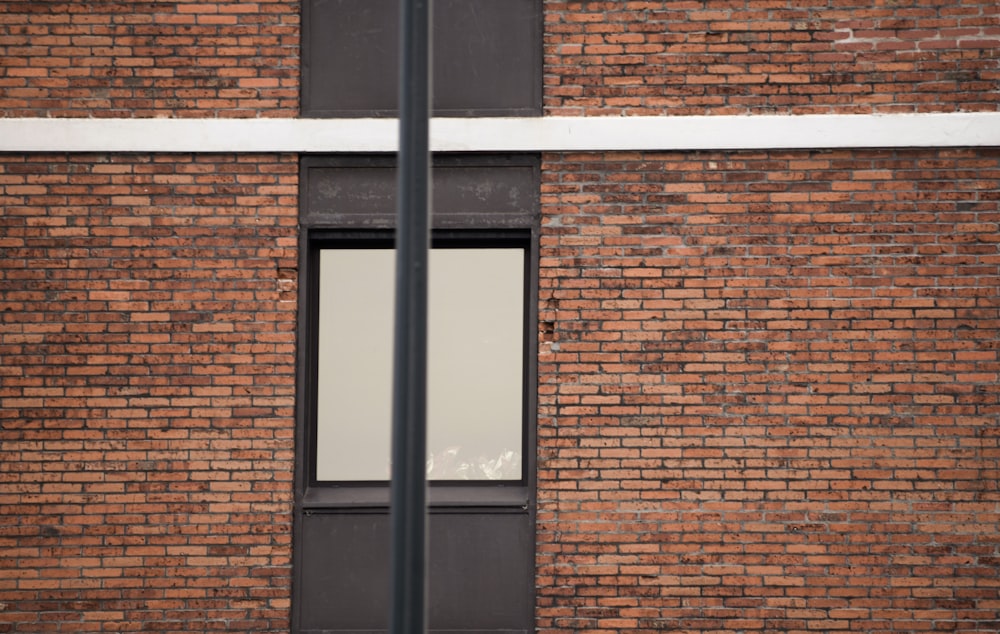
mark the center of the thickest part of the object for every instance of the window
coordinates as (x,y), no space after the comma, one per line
(481,397)
(475,382)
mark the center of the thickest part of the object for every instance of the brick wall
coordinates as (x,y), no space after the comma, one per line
(241,59)
(820,56)
(149,59)
(768,381)
(147,310)
(769,392)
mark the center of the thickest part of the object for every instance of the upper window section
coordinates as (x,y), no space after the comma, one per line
(487,58)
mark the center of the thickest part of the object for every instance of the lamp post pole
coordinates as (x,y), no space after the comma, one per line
(408,500)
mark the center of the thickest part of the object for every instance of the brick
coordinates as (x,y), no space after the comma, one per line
(131,59)
(128,497)
(767,380)
(773,427)
(711,58)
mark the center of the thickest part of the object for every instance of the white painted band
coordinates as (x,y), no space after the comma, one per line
(525,134)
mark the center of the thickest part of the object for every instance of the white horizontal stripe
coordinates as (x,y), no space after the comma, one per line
(503,134)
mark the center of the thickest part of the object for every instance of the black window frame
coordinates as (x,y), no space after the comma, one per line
(456,218)
(368,493)
(481,533)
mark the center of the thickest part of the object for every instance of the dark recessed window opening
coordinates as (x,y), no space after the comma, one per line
(476,364)
(482,384)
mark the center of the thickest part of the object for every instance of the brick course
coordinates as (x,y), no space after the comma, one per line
(146,392)
(149,59)
(763,57)
(769,392)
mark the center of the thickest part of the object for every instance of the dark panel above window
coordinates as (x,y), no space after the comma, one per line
(472,191)
(487,58)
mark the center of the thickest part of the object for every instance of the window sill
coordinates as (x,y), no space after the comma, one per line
(513,497)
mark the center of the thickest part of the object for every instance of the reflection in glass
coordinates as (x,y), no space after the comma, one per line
(475,364)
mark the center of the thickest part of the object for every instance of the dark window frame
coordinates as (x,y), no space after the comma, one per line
(454,216)
(470,493)
(481,535)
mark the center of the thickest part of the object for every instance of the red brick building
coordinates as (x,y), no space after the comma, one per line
(761,335)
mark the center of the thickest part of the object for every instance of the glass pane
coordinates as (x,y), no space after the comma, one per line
(475,364)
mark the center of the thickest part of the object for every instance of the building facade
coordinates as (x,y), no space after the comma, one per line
(757,246)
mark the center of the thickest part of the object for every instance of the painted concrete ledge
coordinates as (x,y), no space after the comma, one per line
(503,134)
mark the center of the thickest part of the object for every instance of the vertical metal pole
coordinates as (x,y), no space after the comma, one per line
(409,412)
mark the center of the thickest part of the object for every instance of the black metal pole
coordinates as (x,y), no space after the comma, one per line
(409,411)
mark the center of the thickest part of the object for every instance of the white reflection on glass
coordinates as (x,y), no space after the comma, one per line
(475,364)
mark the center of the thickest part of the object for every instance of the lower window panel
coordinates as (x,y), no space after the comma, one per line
(480,569)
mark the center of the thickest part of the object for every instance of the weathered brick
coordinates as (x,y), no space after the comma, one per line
(799,404)
(149,59)
(714,57)
(768,380)
(127,455)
